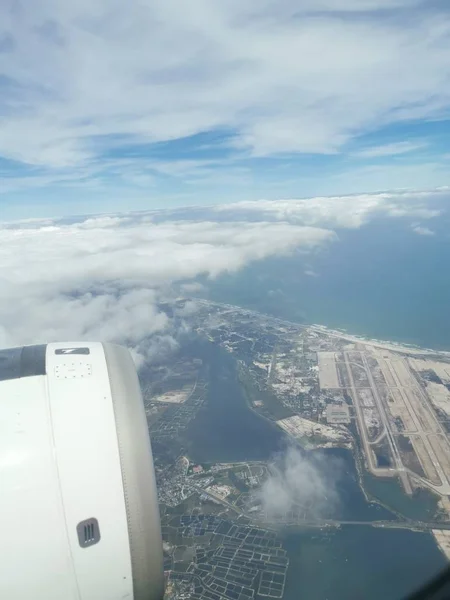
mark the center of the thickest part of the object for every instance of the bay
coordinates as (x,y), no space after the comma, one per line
(359,562)
(225,429)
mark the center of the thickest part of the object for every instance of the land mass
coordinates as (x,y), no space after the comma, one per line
(395,398)
(388,404)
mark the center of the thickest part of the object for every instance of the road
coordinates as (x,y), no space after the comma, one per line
(416,525)
(216,498)
(319,523)
(362,428)
(419,525)
(272,372)
(444,477)
(392,442)
(425,424)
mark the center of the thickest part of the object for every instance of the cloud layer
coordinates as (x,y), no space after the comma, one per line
(81,79)
(102,278)
(343,211)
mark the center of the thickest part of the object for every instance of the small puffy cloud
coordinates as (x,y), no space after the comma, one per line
(189,308)
(300,482)
(422,230)
(103,277)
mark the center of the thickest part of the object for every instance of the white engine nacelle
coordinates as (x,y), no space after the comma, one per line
(79,514)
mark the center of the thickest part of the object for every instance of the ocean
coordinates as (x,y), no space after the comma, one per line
(382,281)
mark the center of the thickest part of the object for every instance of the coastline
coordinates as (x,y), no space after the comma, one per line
(411,512)
(396,346)
(385,344)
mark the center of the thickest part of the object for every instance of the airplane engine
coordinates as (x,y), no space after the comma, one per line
(79,514)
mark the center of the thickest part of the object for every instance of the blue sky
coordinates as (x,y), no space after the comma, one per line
(112,106)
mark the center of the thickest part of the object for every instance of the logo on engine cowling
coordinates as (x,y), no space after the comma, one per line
(72,351)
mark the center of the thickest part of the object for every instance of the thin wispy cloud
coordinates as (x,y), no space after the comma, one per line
(394,149)
(343,211)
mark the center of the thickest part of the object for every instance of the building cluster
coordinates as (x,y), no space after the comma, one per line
(231,561)
(281,360)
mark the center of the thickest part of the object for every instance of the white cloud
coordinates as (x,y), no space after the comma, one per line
(393,149)
(192,288)
(102,278)
(341,211)
(386,175)
(285,76)
(300,482)
(190,308)
(422,230)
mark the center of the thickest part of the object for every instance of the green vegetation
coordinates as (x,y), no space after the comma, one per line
(237,482)
(275,409)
